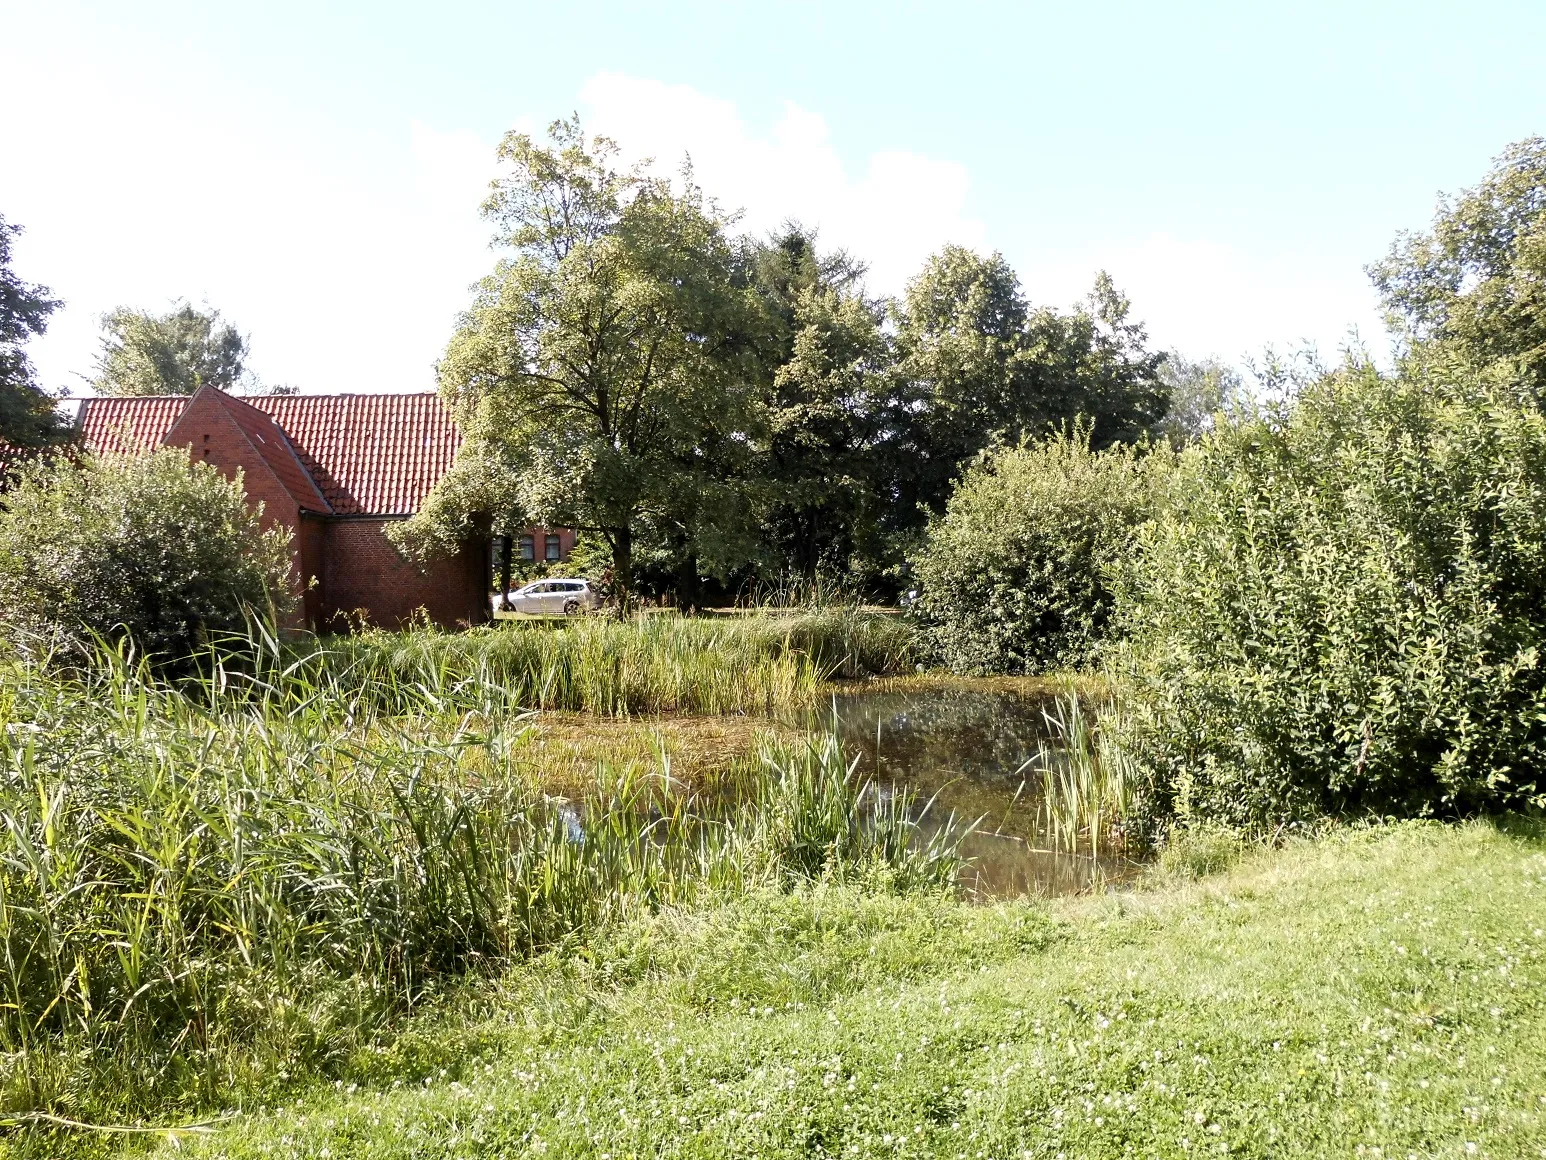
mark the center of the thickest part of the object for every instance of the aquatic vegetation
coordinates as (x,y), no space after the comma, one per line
(660,663)
(1086,778)
(232,880)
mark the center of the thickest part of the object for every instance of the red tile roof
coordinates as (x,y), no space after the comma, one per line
(112,426)
(370,454)
(366,454)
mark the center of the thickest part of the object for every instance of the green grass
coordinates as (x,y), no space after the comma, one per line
(653,664)
(1375,993)
(215,891)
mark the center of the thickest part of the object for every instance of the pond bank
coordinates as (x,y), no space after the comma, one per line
(1379,989)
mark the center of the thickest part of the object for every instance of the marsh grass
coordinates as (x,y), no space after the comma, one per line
(228,884)
(652,664)
(1086,778)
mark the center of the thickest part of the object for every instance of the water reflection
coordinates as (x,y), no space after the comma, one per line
(974,752)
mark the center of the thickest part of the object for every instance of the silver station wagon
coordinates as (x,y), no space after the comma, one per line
(553,598)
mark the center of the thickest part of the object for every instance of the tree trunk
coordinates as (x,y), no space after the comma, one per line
(506,545)
(622,569)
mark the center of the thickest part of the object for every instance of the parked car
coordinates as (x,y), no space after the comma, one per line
(553,598)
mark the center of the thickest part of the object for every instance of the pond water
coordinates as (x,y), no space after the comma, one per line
(976,752)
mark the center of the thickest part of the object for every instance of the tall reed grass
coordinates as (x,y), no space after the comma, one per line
(750,664)
(236,875)
(1086,779)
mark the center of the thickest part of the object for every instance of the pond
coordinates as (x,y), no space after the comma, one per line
(973,750)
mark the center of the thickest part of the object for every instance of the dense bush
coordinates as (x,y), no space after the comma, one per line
(1013,577)
(1345,612)
(154,545)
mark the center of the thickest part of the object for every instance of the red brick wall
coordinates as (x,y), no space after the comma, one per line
(211,436)
(365,572)
(539,537)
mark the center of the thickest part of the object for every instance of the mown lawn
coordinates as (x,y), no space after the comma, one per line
(1377,993)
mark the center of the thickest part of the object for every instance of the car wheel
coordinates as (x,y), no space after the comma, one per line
(571,607)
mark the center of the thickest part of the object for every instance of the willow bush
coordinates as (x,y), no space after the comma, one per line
(1014,577)
(150,547)
(1343,612)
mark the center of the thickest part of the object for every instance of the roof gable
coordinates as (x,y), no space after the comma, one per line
(263,435)
(370,454)
(357,454)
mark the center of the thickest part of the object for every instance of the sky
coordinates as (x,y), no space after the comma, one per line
(314,170)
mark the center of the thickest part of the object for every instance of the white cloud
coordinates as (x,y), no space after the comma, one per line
(1206,298)
(897,210)
(347,274)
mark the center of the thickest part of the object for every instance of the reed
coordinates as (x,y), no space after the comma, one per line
(245,873)
(1086,778)
(654,664)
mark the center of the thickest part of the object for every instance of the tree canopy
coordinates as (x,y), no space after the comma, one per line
(1476,284)
(600,372)
(27,416)
(168,354)
(718,407)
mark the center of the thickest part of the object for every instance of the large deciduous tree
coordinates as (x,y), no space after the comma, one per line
(168,354)
(27,416)
(831,372)
(604,374)
(979,365)
(1477,283)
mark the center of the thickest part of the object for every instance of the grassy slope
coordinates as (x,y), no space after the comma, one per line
(1378,990)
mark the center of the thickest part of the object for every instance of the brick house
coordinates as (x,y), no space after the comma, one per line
(337,471)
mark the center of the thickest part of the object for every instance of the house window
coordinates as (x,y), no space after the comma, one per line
(551,547)
(528,548)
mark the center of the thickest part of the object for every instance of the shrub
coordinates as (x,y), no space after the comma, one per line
(153,546)
(1013,577)
(1345,614)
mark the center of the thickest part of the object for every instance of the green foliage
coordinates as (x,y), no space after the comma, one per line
(597,375)
(1375,990)
(228,881)
(980,365)
(1199,390)
(1013,577)
(27,417)
(1344,612)
(154,546)
(616,668)
(830,388)
(1477,283)
(168,354)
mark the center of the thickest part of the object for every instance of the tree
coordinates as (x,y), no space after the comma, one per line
(1477,283)
(978,365)
(168,354)
(831,366)
(605,373)
(155,547)
(1199,391)
(27,416)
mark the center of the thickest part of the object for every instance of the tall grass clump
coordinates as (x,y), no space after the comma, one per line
(226,884)
(1086,778)
(1344,612)
(653,664)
